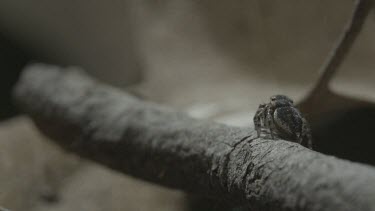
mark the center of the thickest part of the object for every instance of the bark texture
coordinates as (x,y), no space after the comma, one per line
(167,147)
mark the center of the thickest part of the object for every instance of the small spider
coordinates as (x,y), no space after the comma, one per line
(280,116)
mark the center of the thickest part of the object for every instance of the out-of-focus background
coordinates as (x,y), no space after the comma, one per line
(211,59)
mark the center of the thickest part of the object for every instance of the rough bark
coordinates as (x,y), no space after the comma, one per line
(166,147)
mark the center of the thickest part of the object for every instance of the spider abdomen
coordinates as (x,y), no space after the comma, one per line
(280,117)
(288,121)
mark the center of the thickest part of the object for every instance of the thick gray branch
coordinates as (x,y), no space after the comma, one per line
(169,148)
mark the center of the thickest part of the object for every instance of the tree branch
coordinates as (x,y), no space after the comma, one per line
(163,146)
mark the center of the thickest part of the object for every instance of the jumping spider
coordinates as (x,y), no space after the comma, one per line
(280,116)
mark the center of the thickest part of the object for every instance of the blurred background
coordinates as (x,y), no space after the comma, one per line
(212,59)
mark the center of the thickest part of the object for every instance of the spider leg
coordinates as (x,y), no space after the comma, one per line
(270,123)
(258,119)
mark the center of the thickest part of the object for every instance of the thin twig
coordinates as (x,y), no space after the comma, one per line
(344,44)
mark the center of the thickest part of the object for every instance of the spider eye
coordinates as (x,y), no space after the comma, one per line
(273,98)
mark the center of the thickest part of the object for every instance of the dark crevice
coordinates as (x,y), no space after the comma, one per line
(348,135)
